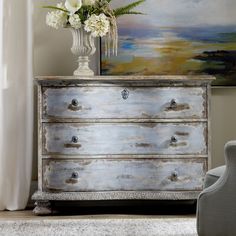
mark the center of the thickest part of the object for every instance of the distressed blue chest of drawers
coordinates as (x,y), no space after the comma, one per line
(121,138)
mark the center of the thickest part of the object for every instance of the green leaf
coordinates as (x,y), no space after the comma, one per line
(125,9)
(129,13)
(55,8)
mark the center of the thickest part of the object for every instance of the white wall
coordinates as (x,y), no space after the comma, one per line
(223,121)
(52,56)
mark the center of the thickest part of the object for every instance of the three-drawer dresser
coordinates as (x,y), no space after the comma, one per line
(121,138)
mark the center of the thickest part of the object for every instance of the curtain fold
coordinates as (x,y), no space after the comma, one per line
(16,103)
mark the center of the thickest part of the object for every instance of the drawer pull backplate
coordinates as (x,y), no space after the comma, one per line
(125,94)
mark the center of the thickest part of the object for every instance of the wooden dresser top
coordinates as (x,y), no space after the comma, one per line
(191,79)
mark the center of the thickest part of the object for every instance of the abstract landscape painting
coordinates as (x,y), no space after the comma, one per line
(177,37)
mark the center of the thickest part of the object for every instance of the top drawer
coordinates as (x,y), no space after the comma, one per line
(124,102)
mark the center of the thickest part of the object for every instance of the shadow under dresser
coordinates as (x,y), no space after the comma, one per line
(121,138)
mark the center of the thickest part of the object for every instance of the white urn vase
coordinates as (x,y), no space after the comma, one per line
(83,47)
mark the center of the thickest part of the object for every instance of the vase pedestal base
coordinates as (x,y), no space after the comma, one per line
(83,69)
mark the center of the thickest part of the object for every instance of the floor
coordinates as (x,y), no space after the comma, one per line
(23,223)
(28,215)
(162,219)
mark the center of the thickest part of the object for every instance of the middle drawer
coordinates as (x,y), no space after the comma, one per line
(124,138)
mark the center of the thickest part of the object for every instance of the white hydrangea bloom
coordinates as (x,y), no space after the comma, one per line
(75,21)
(56,19)
(61,5)
(88,2)
(97,25)
(73,5)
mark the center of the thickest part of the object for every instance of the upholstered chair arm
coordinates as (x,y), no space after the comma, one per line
(216,208)
(230,155)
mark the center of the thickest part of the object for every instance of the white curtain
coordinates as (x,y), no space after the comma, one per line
(16,102)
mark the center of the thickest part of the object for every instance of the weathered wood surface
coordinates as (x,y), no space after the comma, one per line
(125,156)
(116,195)
(40,135)
(159,79)
(42,208)
(109,102)
(127,138)
(131,175)
(116,131)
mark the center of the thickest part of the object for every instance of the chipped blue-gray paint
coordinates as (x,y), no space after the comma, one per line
(120,175)
(107,102)
(133,138)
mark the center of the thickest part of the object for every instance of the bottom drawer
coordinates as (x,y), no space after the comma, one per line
(122,175)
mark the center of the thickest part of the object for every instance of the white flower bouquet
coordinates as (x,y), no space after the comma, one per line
(95,16)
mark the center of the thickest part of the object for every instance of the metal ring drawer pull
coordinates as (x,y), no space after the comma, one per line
(74,102)
(174,175)
(75,175)
(125,94)
(75,139)
(173,103)
(173,140)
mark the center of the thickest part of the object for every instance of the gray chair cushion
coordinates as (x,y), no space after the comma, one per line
(213,175)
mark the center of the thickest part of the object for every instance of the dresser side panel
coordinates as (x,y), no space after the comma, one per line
(39,124)
(209,144)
